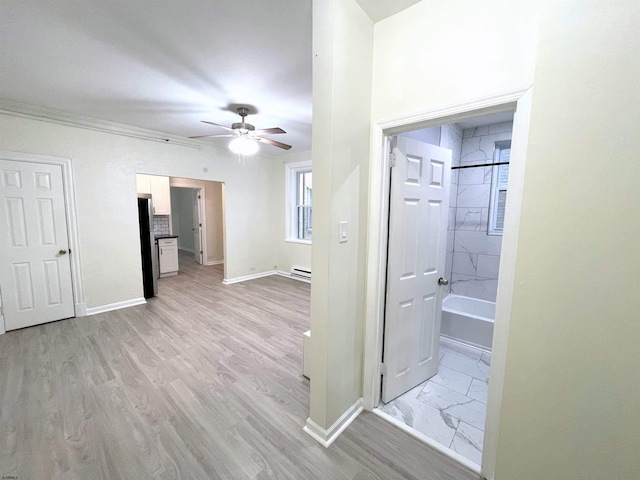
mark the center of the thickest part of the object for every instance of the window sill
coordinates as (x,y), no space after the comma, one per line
(295,240)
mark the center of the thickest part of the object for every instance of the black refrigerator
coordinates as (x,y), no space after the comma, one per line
(147,246)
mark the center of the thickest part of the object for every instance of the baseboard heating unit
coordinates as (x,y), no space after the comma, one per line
(301,272)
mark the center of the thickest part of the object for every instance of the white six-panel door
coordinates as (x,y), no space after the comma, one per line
(35,270)
(418,217)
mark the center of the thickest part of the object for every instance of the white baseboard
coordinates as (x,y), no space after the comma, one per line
(215,262)
(229,281)
(293,277)
(188,250)
(81,309)
(115,306)
(327,436)
(2,327)
(421,437)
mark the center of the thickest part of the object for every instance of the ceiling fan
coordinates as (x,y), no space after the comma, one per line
(246,135)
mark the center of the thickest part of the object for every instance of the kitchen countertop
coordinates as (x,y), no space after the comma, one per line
(166,236)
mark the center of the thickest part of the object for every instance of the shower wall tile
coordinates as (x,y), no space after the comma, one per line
(476,255)
(450,237)
(471,176)
(475,287)
(473,195)
(477,242)
(453,195)
(465,263)
(501,128)
(471,219)
(452,219)
(447,270)
(480,149)
(488,174)
(488,266)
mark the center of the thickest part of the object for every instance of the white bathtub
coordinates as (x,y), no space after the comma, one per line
(468,320)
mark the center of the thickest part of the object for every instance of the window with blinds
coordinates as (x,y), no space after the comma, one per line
(298,195)
(499,181)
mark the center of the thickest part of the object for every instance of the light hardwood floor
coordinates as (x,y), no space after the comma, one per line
(202,382)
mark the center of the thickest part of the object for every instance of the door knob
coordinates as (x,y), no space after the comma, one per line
(62,252)
(443,281)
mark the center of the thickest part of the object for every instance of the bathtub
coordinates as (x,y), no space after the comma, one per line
(468,320)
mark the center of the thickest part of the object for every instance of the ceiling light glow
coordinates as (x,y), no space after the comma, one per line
(243,146)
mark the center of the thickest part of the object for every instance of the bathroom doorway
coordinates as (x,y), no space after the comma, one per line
(448,406)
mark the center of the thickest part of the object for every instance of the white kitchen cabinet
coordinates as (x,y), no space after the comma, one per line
(168,256)
(143,183)
(160,192)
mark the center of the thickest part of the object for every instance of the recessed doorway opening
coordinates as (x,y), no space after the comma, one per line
(443,208)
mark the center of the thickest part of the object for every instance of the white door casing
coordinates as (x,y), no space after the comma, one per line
(197,227)
(418,218)
(35,272)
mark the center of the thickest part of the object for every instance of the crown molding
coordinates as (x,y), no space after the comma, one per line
(44,114)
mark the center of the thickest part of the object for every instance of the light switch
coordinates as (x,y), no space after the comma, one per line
(343,228)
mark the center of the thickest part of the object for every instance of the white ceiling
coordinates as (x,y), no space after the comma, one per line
(166,65)
(381,9)
(163,65)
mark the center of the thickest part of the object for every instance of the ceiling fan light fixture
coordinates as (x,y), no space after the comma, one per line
(243,146)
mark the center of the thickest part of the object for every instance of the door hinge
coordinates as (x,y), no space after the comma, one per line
(392,160)
(201,252)
(199,224)
(198,197)
(383,369)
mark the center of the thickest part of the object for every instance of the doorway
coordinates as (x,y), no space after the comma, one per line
(187,221)
(39,275)
(379,243)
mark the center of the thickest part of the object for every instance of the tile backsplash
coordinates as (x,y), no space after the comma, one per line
(161,225)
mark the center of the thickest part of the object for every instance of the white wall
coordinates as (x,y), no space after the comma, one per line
(342,44)
(104,168)
(571,402)
(182,216)
(214,207)
(442,53)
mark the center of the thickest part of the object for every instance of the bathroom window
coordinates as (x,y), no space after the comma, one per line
(499,180)
(299,194)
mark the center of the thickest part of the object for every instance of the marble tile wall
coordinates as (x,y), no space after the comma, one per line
(451,137)
(474,255)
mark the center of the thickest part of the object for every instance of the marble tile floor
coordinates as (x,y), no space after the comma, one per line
(450,407)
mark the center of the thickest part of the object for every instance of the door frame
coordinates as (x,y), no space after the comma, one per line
(518,101)
(80,307)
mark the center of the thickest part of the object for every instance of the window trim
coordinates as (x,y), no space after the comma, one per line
(495,191)
(291,173)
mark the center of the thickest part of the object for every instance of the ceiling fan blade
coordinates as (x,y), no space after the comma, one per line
(213,136)
(269,131)
(217,125)
(273,142)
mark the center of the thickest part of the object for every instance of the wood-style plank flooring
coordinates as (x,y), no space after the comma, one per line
(202,382)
